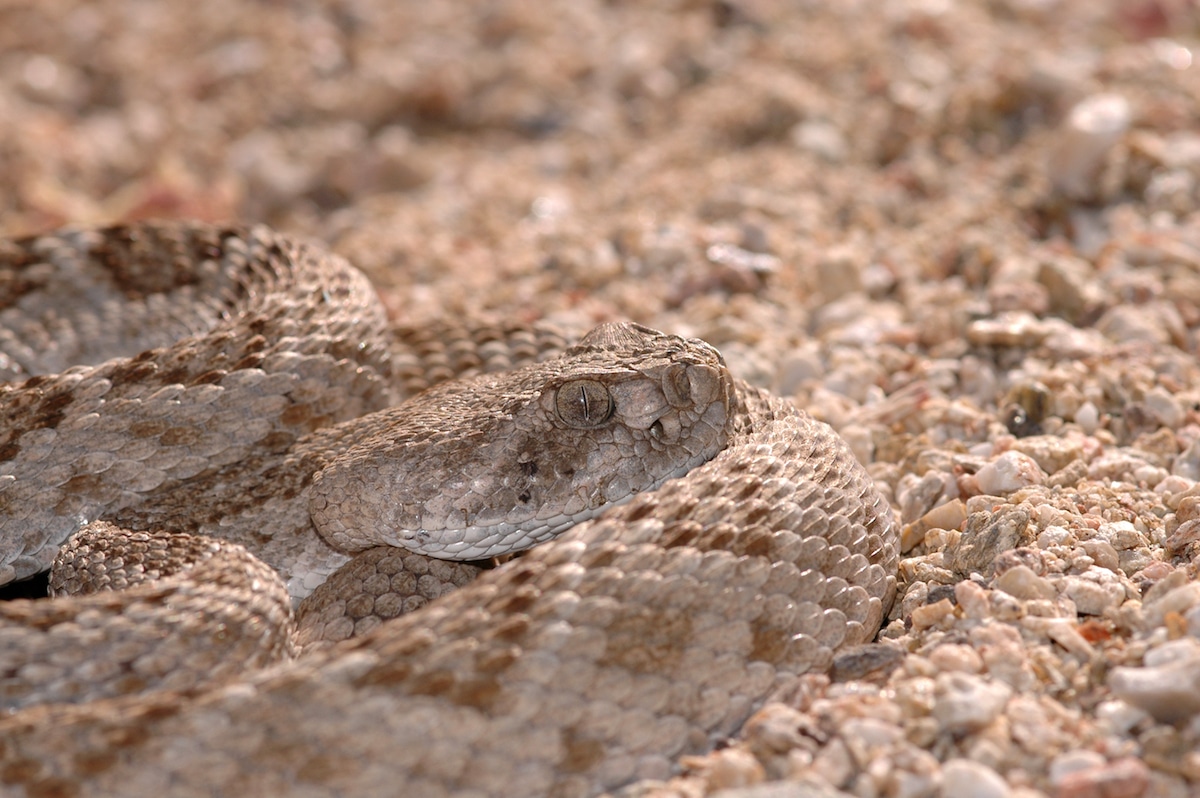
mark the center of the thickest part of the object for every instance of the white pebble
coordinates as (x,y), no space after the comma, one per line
(821,138)
(1055,536)
(1074,762)
(1091,129)
(1092,597)
(1021,582)
(1122,535)
(1087,417)
(1009,472)
(1120,717)
(962,778)
(1187,464)
(966,702)
(1160,402)
(1149,475)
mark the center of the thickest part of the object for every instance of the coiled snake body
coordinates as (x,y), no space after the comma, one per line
(210,385)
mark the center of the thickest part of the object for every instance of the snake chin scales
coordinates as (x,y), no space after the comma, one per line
(256,495)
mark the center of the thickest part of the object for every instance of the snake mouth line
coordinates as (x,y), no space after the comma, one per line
(474,542)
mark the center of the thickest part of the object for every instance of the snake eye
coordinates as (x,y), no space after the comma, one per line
(583,403)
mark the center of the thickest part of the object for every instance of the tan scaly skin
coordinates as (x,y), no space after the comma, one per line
(269,417)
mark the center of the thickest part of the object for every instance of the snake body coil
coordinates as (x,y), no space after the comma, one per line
(173,387)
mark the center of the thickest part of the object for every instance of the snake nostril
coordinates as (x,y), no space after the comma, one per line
(667,429)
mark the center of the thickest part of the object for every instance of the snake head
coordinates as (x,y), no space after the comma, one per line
(496,464)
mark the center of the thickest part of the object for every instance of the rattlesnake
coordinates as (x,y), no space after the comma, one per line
(240,385)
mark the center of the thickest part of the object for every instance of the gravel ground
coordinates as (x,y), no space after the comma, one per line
(964,233)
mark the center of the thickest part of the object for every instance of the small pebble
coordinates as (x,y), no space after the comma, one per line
(1169,691)
(1122,717)
(1087,417)
(936,614)
(1091,129)
(1091,596)
(1122,535)
(1009,472)
(1051,452)
(948,516)
(734,767)
(840,273)
(1178,600)
(973,600)
(1016,329)
(966,702)
(822,139)
(1124,778)
(962,778)
(1074,761)
(1165,407)
(960,658)
(1021,582)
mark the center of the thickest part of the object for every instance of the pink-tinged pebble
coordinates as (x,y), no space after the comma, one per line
(1124,778)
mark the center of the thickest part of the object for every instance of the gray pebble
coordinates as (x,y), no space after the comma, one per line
(1169,690)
